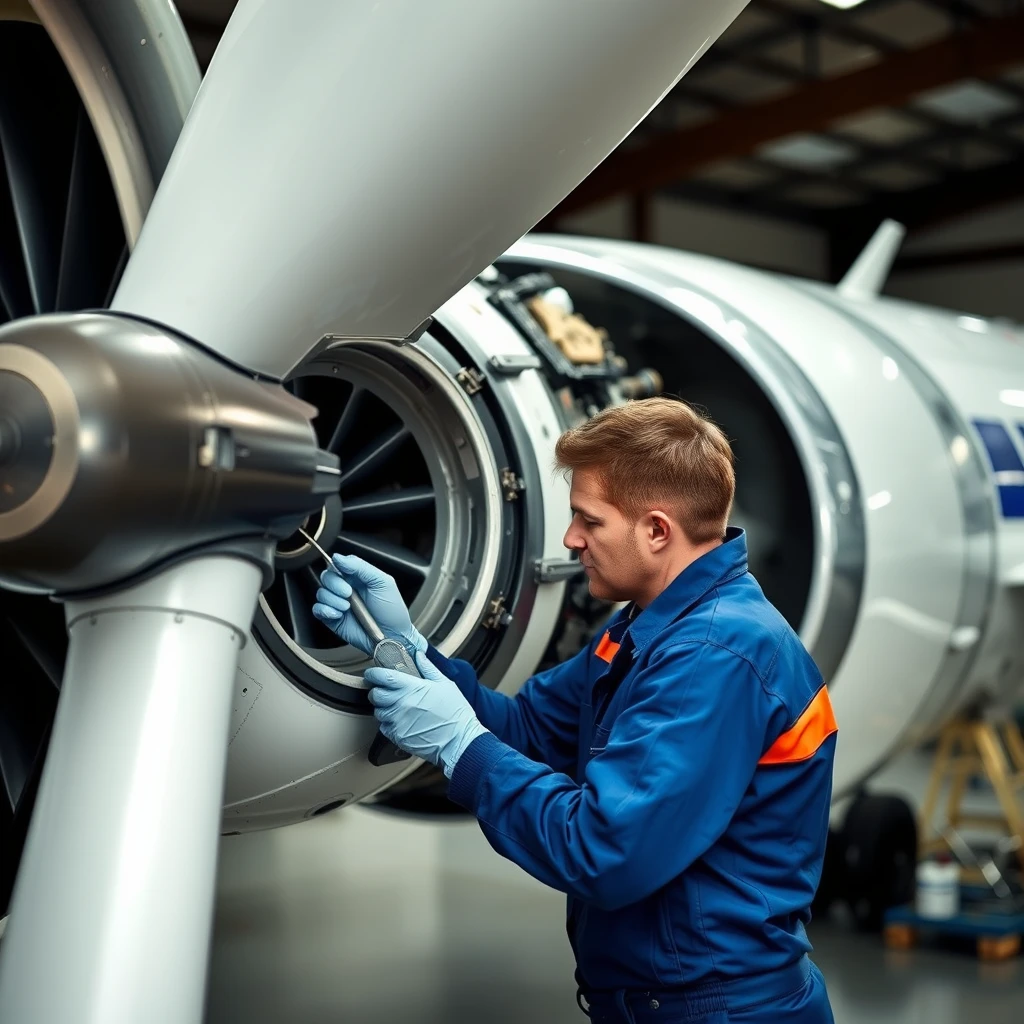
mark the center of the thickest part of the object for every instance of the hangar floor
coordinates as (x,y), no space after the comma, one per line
(365,918)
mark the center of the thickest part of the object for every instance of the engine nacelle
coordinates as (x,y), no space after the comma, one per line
(877,478)
(867,433)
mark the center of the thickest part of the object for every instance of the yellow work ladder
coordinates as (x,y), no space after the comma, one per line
(969,748)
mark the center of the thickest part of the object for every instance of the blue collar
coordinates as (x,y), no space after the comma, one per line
(725,562)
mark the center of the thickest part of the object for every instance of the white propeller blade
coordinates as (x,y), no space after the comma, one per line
(348,165)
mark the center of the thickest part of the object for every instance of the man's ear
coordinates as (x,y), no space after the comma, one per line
(659,530)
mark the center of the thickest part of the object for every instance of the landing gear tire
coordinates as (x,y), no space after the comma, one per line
(878,845)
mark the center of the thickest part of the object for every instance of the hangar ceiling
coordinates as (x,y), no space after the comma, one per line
(825,115)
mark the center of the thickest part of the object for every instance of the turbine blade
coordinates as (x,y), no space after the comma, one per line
(384,554)
(27,704)
(374,455)
(17,821)
(300,608)
(38,107)
(347,420)
(115,277)
(93,238)
(389,504)
(15,297)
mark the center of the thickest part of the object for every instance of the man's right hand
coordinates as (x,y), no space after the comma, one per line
(380,595)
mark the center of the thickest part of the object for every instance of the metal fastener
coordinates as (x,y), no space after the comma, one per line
(497,616)
(471,380)
(511,484)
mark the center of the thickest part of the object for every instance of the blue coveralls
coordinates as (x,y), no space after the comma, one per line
(674,779)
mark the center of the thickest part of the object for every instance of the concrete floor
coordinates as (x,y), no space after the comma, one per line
(366,918)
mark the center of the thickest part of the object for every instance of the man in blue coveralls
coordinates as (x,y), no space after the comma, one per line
(673,778)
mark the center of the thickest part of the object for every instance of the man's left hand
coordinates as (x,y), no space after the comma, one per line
(427,717)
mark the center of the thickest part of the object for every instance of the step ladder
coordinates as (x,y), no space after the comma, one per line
(993,749)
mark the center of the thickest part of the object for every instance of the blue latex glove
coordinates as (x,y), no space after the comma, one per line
(380,595)
(428,717)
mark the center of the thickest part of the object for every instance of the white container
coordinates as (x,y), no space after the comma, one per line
(938,889)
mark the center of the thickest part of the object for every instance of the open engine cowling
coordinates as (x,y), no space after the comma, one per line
(882,512)
(864,484)
(449,485)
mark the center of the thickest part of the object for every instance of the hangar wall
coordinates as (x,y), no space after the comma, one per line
(759,241)
(987,288)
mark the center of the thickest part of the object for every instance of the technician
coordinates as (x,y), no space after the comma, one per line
(673,778)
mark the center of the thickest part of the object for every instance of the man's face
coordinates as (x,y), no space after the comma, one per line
(606,540)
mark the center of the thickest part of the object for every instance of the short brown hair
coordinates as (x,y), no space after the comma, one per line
(658,451)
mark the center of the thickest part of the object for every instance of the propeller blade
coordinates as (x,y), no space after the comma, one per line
(348,166)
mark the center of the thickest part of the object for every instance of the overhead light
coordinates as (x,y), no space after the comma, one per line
(811,152)
(844,4)
(890,368)
(879,500)
(968,102)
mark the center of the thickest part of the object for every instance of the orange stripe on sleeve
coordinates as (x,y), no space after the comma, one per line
(811,729)
(607,649)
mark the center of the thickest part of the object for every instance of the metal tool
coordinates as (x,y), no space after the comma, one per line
(387,653)
(985,864)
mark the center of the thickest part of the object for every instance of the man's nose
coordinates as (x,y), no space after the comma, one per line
(572,539)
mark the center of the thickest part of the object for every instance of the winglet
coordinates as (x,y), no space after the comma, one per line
(865,279)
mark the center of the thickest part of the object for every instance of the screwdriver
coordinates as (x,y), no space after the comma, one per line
(387,653)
